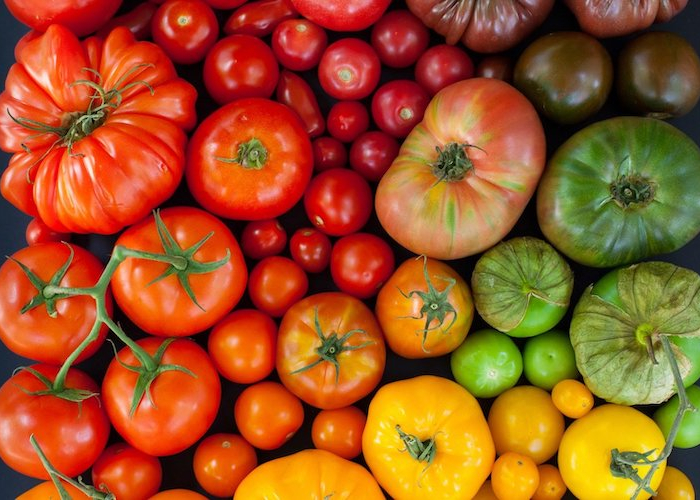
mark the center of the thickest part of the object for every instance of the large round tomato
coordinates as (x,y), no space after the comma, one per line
(330,350)
(184,301)
(342,15)
(81,17)
(607,19)
(250,159)
(104,160)
(465,173)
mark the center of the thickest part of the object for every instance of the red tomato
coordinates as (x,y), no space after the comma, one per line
(495,66)
(263,238)
(225,4)
(81,17)
(311,249)
(128,473)
(298,44)
(441,65)
(185,29)
(38,232)
(398,106)
(267,414)
(164,306)
(361,263)
(342,15)
(259,17)
(54,328)
(137,20)
(221,461)
(250,159)
(339,431)
(276,283)
(328,153)
(242,346)
(330,350)
(399,38)
(298,94)
(338,201)
(240,66)
(347,120)
(71,435)
(372,153)
(180,404)
(349,69)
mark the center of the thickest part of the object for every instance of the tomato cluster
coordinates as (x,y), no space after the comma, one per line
(359,226)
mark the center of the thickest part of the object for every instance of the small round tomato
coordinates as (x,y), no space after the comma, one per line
(675,485)
(514,476)
(298,44)
(371,154)
(338,201)
(361,263)
(399,38)
(485,492)
(349,69)
(441,65)
(339,431)
(242,346)
(572,398)
(128,473)
(178,494)
(497,66)
(263,238)
(311,249)
(549,358)
(347,119)
(328,153)
(221,461)
(267,414)
(398,106)
(38,232)
(275,283)
(551,486)
(688,435)
(240,66)
(185,29)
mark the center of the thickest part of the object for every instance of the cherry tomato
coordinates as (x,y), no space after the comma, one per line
(268,415)
(497,66)
(398,106)
(263,238)
(328,153)
(275,283)
(298,44)
(347,120)
(221,461)
(675,485)
(372,153)
(572,398)
(338,201)
(349,69)
(185,29)
(514,476)
(242,346)
(442,65)
(689,430)
(549,358)
(361,263)
(552,486)
(298,94)
(339,431)
(259,17)
(311,249)
(128,473)
(399,38)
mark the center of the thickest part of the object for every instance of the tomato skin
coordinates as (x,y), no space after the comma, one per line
(163,308)
(328,153)
(298,44)
(296,93)
(349,15)
(185,29)
(603,21)
(688,435)
(399,38)
(263,238)
(347,120)
(549,358)
(259,17)
(371,154)
(221,461)
(275,283)
(128,473)
(514,476)
(311,249)
(349,69)
(82,18)
(34,334)
(675,485)
(361,263)
(339,431)
(358,371)
(38,232)
(47,490)
(398,106)
(71,435)
(441,65)
(234,187)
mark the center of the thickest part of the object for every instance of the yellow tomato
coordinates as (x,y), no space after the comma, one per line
(675,485)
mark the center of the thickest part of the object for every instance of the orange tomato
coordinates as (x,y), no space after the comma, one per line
(339,431)
(552,486)
(514,476)
(572,397)
(675,485)
(221,461)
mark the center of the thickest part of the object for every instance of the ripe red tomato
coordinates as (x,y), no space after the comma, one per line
(349,69)
(342,15)
(137,20)
(338,201)
(276,283)
(225,4)
(398,106)
(298,44)
(347,119)
(82,17)
(311,249)
(399,38)
(240,66)
(259,17)
(221,461)
(328,153)
(441,65)
(126,472)
(38,232)
(361,263)
(263,238)
(372,153)
(185,29)
(339,431)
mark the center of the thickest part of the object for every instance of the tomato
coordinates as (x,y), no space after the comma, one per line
(311,249)
(328,153)
(609,20)
(361,263)
(567,75)
(339,431)
(572,398)
(497,66)
(585,463)
(473,161)
(128,473)
(47,490)
(221,461)
(549,358)
(82,18)
(103,162)
(398,106)
(689,430)
(298,44)
(399,38)
(275,283)
(239,66)
(180,303)
(342,15)
(338,201)
(551,485)
(242,346)
(259,17)
(185,29)
(38,232)
(298,94)
(441,65)
(619,190)
(349,69)
(178,494)
(137,20)
(250,159)
(51,328)
(426,438)
(330,350)
(485,492)
(267,414)
(347,120)
(371,154)
(487,363)
(514,476)
(180,404)
(524,419)
(225,4)
(263,238)
(675,485)
(425,308)
(72,435)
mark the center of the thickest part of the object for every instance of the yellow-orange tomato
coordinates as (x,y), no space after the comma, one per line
(221,461)
(339,431)
(572,398)
(47,490)
(514,476)
(552,486)
(485,492)
(523,419)
(675,485)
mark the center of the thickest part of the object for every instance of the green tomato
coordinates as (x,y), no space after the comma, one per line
(689,432)
(549,358)
(487,363)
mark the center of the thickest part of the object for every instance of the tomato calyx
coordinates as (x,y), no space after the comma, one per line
(251,154)
(452,162)
(422,451)
(66,393)
(632,191)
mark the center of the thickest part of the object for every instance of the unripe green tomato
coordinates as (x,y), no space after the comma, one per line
(689,433)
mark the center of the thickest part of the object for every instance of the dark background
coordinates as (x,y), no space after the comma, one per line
(177,469)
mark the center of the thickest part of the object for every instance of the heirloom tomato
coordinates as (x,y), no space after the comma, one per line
(81,17)
(330,350)
(426,437)
(342,15)
(465,173)
(128,473)
(250,159)
(97,129)
(609,19)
